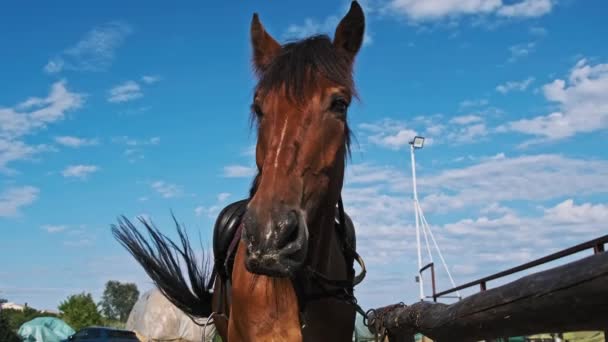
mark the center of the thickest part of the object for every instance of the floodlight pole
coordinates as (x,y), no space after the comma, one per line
(416,211)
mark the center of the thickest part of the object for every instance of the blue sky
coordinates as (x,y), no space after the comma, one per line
(109,109)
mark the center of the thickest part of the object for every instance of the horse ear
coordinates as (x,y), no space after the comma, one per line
(265,48)
(349,33)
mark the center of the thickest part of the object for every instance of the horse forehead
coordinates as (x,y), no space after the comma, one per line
(286,105)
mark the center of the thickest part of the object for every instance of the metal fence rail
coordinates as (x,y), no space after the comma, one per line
(598,246)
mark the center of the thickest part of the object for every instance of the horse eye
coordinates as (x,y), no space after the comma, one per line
(258,111)
(339,105)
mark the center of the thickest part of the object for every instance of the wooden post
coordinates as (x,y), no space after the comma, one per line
(433,278)
(482,286)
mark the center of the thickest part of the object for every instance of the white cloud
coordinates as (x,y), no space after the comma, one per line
(75,142)
(239,171)
(212,211)
(568,212)
(389,133)
(14,198)
(514,85)
(437,9)
(395,135)
(538,31)
(395,141)
(200,210)
(223,196)
(381,207)
(14,150)
(94,52)
(496,179)
(134,150)
(466,119)
(249,151)
(167,190)
(36,113)
(31,116)
(54,66)
(464,269)
(209,212)
(496,208)
(529,178)
(430,10)
(368,173)
(564,221)
(79,171)
(78,243)
(312,26)
(150,79)
(473,103)
(384,227)
(526,8)
(125,92)
(54,228)
(582,101)
(468,134)
(521,50)
(129,141)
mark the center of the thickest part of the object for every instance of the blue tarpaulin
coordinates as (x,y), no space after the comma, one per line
(45,329)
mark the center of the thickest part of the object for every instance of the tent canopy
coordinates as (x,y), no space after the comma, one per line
(155,319)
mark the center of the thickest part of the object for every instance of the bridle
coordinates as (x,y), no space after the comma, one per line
(339,289)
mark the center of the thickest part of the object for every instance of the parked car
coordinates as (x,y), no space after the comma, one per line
(103,334)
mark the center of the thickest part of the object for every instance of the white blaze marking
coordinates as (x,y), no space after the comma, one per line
(276,158)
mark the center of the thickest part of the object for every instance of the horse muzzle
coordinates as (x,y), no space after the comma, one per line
(277,248)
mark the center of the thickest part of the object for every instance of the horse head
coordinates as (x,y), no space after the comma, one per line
(300,106)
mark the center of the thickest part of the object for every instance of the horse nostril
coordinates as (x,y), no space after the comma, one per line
(288,229)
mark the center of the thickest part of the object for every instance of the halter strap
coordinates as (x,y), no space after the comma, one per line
(341,289)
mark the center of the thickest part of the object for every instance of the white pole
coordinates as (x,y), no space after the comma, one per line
(416,211)
(426,239)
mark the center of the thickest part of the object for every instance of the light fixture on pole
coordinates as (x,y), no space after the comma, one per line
(423,226)
(417,142)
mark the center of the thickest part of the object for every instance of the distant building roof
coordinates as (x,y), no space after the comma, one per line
(13,306)
(54,312)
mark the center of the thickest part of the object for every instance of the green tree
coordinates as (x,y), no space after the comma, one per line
(7,333)
(16,318)
(3,300)
(80,311)
(118,299)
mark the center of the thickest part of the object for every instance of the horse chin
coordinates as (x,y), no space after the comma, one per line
(274,264)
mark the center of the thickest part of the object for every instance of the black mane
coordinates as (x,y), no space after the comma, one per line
(300,63)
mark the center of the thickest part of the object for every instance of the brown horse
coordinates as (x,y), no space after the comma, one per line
(292,275)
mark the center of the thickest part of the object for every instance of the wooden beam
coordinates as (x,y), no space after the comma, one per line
(571,297)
